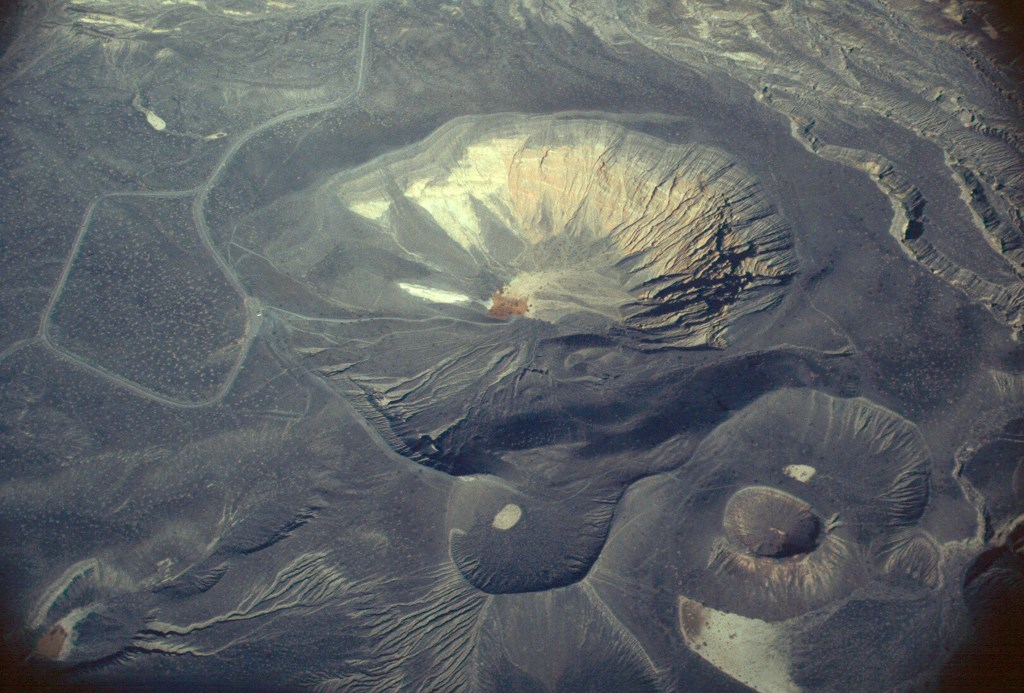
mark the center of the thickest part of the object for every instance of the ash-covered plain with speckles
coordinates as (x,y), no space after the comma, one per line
(511,346)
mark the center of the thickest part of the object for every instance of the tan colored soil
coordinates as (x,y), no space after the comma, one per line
(504,306)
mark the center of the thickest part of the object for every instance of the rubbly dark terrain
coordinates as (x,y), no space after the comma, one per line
(514,346)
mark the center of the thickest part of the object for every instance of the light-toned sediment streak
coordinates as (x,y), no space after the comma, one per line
(428,643)
(88,577)
(307,582)
(126,27)
(59,640)
(754,652)
(84,569)
(434,295)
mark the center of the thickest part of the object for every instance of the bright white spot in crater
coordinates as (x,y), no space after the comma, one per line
(800,472)
(155,121)
(507,517)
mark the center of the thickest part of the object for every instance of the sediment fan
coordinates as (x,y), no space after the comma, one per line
(516,229)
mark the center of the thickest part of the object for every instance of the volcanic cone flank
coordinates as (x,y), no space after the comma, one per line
(808,540)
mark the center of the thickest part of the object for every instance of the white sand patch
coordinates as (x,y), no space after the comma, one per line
(479,178)
(371,209)
(155,121)
(111,20)
(434,295)
(801,472)
(507,517)
(754,652)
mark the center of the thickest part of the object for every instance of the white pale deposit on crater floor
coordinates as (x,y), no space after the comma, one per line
(800,472)
(507,517)
(752,651)
(155,121)
(434,295)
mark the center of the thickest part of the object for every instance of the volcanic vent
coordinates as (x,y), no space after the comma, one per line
(669,241)
(455,257)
